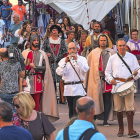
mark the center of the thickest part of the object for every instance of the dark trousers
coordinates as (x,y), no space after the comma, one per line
(72,104)
(107,105)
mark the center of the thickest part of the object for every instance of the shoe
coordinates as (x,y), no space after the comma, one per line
(62,102)
(133,135)
(106,124)
(120,134)
(131,132)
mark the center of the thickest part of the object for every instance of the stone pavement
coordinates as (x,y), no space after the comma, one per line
(109,132)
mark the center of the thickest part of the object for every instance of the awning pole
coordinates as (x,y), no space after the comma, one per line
(135,22)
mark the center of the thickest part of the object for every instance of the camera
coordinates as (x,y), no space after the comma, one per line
(15,55)
(11,52)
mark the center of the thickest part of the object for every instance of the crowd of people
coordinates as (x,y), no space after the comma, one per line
(69,64)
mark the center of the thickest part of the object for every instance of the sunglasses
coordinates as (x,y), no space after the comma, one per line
(17,106)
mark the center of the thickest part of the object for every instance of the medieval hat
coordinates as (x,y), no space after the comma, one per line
(55,27)
(32,38)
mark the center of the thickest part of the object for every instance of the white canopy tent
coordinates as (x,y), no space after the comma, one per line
(82,11)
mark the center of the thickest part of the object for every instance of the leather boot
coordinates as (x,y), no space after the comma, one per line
(131,132)
(120,122)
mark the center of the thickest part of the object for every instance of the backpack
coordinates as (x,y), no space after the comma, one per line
(86,135)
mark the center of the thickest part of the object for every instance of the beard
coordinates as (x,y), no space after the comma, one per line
(103,46)
(96,30)
(36,45)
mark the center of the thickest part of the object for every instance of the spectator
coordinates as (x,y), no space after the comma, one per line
(63,28)
(78,28)
(9,70)
(9,131)
(91,28)
(106,32)
(2,36)
(73,27)
(82,41)
(126,32)
(19,9)
(23,34)
(6,15)
(2,26)
(35,122)
(70,37)
(58,24)
(85,108)
(52,21)
(67,23)
(47,34)
(12,29)
(110,25)
(31,22)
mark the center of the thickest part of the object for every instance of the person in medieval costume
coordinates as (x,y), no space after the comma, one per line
(133,46)
(124,70)
(92,40)
(56,49)
(39,80)
(97,88)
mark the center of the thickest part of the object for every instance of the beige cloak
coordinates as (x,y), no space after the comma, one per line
(48,101)
(92,80)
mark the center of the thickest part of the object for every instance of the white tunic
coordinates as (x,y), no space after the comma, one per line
(132,46)
(69,75)
(116,68)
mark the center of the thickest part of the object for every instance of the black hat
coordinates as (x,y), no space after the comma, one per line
(55,27)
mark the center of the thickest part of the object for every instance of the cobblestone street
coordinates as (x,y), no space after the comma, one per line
(109,132)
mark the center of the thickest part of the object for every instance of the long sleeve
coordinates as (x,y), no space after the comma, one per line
(136,66)
(83,65)
(61,70)
(108,71)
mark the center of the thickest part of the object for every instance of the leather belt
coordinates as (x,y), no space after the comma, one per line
(123,80)
(73,83)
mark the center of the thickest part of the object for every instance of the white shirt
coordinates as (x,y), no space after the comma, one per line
(54,41)
(16,33)
(116,68)
(132,46)
(69,75)
(90,31)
